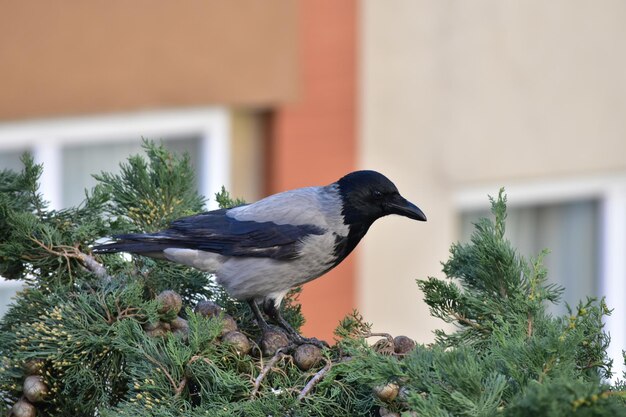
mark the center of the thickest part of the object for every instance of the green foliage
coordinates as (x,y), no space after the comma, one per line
(39,242)
(224,199)
(92,329)
(70,334)
(566,397)
(152,193)
(490,285)
(497,302)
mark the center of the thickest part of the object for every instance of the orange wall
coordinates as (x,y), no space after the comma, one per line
(313,140)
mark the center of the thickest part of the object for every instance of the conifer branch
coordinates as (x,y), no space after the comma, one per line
(109,318)
(316,378)
(162,368)
(72,252)
(462,319)
(181,387)
(65,252)
(547,367)
(94,266)
(503,292)
(270,364)
(373,334)
(198,357)
(384,346)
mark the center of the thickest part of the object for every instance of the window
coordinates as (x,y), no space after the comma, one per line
(74,148)
(583,223)
(80,161)
(11,159)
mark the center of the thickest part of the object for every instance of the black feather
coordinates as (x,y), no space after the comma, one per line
(216,232)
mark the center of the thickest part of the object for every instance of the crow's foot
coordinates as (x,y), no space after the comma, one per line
(298,340)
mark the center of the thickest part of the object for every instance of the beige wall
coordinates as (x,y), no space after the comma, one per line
(462,93)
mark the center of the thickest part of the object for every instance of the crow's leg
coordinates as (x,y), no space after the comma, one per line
(273,312)
(259,317)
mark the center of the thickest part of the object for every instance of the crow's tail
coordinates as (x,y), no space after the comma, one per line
(140,244)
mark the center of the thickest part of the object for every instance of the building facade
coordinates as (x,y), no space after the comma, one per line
(451,100)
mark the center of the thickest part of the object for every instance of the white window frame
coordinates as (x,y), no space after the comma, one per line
(46,138)
(610,192)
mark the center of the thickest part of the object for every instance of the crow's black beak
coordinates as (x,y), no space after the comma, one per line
(403,207)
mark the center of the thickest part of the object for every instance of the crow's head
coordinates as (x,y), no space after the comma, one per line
(369,195)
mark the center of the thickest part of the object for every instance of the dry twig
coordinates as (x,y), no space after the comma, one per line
(72,252)
(270,364)
(316,378)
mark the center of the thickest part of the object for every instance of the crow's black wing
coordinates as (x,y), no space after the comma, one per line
(215,232)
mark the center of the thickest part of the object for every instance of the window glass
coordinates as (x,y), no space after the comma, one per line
(81,161)
(11,160)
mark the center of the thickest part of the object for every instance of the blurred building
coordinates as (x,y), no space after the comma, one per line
(450,99)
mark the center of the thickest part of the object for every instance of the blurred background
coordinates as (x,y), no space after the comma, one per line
(449,99)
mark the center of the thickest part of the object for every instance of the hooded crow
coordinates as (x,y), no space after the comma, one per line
(259,251)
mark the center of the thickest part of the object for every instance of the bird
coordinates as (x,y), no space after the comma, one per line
(259,251)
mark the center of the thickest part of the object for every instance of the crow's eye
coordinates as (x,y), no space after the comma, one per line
(377,194)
